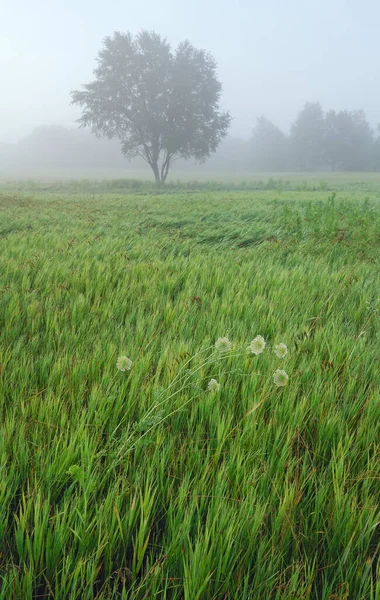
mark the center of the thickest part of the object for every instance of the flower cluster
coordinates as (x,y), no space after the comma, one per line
(223,345)
(281,350)
(257,346)
(280,377)
(124,363)
(213,386)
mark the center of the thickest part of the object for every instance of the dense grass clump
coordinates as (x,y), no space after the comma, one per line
(152,482)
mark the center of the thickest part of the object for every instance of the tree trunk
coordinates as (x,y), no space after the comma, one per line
(160,175)
(156,172)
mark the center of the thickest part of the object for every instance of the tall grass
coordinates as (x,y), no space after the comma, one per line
(143,484)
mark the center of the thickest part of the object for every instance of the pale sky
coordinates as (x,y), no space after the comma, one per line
(273,55)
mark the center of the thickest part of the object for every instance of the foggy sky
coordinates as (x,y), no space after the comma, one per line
(273,55)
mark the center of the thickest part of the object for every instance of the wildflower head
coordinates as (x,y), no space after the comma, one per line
(213,386)
(281,350)
(280,378)
(257,345)
(124,363)
(223,344)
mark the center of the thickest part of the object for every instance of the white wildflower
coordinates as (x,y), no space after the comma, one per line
(223,344)
(280,378)
(124,363)
(213,386)
(257,345)
(281,350)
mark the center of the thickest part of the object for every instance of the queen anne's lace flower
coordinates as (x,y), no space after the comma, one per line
(257,345)
(281,350)
(124,363)
(213,385)
(223,344)
(280,378)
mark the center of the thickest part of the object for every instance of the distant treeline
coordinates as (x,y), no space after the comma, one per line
(317,141)
(55,146)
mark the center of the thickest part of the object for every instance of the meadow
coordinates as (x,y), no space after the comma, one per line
(144,484)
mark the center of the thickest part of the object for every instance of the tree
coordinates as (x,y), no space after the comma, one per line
(348,140)
(375,163)
(307,137)
(161,105)
(269,146)
(335,142)
(55,146)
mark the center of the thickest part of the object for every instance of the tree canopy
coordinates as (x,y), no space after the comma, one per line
(307,136)
(317,141)
(269,147)
(349,140)
(161,105)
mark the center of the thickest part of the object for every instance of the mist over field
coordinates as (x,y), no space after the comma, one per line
(272,58)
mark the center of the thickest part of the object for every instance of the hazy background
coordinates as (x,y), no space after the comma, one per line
(273,56)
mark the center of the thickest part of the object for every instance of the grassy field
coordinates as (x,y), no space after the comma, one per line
(144,484)
(116,181)
(36,178)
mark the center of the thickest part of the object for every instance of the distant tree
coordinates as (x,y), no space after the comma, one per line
(376,150)
(335,141)
(232,155)
(7,153)
(269,147)
(55,146)
(161,105)
(307,137)
(348,141)
(48,144)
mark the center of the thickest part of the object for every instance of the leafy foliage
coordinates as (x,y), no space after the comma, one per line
(269,147)
(318,141)
(307,137)
(161,105)
(348,141)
